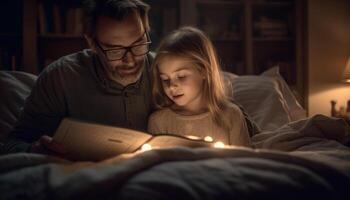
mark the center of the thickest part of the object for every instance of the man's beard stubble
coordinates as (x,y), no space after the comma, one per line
(112,72)
(128,79)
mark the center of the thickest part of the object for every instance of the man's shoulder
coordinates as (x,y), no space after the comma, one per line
(74,61)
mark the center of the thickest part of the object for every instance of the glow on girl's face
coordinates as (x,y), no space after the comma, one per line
(182,83)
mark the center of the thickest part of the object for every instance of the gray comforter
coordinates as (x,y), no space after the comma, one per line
(303,159)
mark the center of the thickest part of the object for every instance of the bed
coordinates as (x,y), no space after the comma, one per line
(294,156)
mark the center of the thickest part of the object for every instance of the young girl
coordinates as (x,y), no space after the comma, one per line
(189,93)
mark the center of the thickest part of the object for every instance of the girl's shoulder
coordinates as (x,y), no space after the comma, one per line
(232,110)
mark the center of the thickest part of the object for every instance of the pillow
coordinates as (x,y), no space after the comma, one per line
(266,98)
(15,86)
(296,111)
(262,100)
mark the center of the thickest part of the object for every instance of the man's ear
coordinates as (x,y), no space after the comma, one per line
(90,42)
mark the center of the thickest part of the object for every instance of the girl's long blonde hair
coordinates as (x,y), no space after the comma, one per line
(193,44)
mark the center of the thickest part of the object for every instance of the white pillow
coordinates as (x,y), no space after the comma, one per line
(296,111)
(262,99)
(267,98)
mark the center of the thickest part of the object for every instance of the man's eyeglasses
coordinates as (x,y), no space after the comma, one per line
(120,53)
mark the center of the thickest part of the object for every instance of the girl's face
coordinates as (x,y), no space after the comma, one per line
(182,83)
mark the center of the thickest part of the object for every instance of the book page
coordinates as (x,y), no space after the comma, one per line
(161,141)
(93,142)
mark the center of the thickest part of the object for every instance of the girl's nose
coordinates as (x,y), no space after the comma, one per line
(173,84)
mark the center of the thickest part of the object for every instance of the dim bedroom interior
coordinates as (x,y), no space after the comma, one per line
(302,151)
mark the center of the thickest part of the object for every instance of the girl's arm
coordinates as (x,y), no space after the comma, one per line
(239,134)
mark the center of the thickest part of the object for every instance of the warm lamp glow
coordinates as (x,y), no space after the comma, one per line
(346,73)
(219,144)
(146,147)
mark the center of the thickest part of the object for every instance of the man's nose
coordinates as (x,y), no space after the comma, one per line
(128,57)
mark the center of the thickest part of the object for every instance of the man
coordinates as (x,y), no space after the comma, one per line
(109,83)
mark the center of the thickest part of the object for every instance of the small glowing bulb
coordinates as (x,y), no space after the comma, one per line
(219,144)
(193,137)
(146,147)
(208,139)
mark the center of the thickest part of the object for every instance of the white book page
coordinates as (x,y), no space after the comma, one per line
(87,141)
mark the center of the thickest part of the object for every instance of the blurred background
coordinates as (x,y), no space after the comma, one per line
(308,39)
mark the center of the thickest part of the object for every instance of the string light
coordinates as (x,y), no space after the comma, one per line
(146,147)
(208,139)
(219,144)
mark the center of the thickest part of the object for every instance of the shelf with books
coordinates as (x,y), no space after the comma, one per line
(220,2)
(163,18)
(220,21)
(11,35)
(231,56)
(51,48)
(59,30)
(282,54)
(10,59)
(273,21)
(231,39)
(59,17)
(10,52)
(223,22)
(273,39)
(268,4)
(60,35)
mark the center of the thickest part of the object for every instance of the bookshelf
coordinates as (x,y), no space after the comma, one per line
(38,32)
(250,35)
(11,35)
(163,18)
(59,30)
(253,35)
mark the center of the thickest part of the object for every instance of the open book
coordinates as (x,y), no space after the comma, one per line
(94,142)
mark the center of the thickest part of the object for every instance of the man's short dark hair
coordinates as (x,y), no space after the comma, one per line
(116,9)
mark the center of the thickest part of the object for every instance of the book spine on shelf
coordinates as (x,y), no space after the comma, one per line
(59,19)
(41,19)
(8,60)
(57,25)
